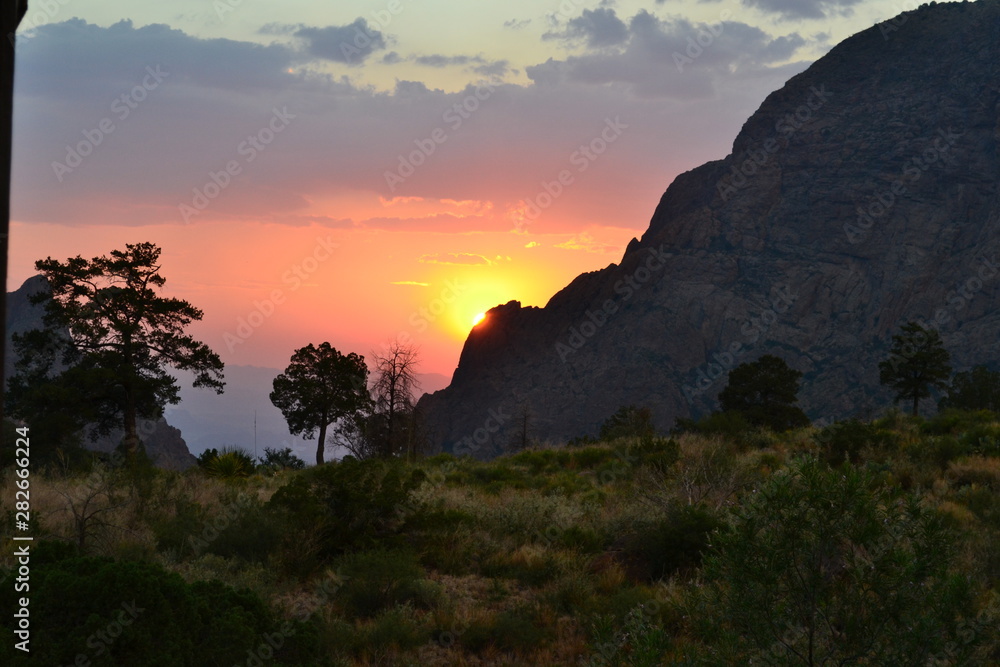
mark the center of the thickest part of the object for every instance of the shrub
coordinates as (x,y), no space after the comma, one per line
(637,643)
(392,631)
(377,580)
(660,548)
(628,422)
(517,629)
(845,441)
(281,459)
(230,463)
(352,504)
(826,563)
(134,613)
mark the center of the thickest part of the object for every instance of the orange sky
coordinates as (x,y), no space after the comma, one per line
(356,289)
(351,175)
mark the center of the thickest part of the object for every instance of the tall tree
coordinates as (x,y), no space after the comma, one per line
(917,362)
(319,387)
(110,336)
(978,389)
(393,389)
(765,392)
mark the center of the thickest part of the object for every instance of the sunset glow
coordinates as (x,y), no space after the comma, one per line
(302,193)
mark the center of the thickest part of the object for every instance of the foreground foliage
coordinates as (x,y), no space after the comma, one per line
(859,543)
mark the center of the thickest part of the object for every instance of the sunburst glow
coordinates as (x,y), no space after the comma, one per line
(479,317)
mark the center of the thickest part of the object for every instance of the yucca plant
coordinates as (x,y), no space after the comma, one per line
(230,463)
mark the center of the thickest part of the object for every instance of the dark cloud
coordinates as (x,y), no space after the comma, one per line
(597,28)
(674,58)
(803,9)
(79,56)
(438,60)
(349,44)
(499,144)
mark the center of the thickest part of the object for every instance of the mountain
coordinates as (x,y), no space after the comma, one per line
(164,443)
(214,420)
(861,195)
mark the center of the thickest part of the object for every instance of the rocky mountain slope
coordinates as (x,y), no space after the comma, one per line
(163,442)
(861,195)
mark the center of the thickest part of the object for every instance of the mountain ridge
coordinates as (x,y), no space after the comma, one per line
(859,195)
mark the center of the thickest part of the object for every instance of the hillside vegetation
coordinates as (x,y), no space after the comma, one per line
(859,543)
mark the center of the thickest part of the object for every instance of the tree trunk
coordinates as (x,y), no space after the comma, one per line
(131,440)
(916,404)
(321,443)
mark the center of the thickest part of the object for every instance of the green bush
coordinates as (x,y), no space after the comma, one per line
(352,504)
(828,563)
(229,463)
(377,580)
(845,441)
(516,630)
(281,459)
(628,422)
(135,613)
(657,549)
(393,630)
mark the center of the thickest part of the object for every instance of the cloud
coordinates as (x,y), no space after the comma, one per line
(495,69)
(656,58)
(350,44)
(598,28)
(505,143)
(461,258)
(410,282)
(515,24)
(587,243)
(804,9)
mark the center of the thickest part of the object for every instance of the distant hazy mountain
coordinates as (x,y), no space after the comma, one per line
(861,195)
(211,420)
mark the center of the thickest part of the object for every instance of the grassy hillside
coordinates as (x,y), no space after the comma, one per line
(861,543)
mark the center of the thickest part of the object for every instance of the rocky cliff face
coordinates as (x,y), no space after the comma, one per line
(163,442)
(861,195)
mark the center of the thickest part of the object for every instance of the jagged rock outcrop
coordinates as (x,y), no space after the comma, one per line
(163,443)
(861,195)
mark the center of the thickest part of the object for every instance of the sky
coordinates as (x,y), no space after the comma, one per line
(361,172)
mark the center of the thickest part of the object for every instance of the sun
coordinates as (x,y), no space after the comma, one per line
(479,317)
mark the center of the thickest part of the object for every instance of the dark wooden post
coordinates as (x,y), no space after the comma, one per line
(13,11)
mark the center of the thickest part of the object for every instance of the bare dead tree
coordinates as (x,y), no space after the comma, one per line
(393,392)
(88,503)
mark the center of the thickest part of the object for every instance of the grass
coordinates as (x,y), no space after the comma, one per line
(575,555)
